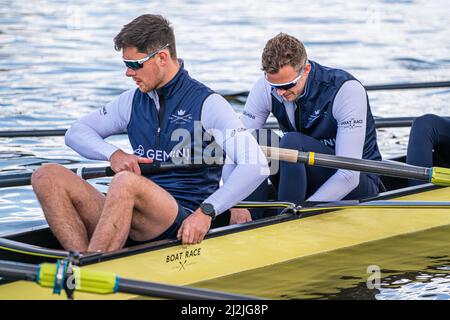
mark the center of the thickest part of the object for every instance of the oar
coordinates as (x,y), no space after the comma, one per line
(32,250)
(60,275)
(393,86)
(24,179)
(32,133)
(407,86)
(436,175)
(392,122)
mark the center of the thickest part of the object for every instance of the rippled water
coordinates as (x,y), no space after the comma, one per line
(57,63)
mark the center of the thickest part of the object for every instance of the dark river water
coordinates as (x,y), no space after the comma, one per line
(57,63)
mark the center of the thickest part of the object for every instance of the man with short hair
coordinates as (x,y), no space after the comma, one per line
(319,109)
(162,117)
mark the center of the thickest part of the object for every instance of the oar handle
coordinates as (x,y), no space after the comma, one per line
(280,154)
(436,175)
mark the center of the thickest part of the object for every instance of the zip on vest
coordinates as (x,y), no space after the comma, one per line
(162,105)
(297,119)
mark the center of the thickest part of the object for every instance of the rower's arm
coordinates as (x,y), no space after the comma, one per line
(86,136)
(350,112)
(258,106)
(246,166)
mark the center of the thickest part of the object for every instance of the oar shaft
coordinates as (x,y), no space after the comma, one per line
(15,270)
(24,179)
(15,180)
(391,122)
(175,292)
(146,168)
(392,86)
(400,86)
(368,166)
(33,133)
(390,168)
(28,249)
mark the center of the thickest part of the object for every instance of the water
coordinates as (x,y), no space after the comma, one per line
(57,63)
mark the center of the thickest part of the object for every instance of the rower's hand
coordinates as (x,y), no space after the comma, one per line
(194,228)
(122,161)
(240,215)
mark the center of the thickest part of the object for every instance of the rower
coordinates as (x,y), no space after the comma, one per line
(429,143)
(167,117)
(319,109)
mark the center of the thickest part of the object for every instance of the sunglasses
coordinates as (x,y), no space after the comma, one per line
(287,85)
(137,64)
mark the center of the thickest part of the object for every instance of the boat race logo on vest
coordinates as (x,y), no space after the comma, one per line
(180,117)
(315,116)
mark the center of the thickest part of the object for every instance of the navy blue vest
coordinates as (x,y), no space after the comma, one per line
(184,99)
(316,110)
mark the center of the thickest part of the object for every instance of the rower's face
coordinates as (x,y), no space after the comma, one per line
(150,75)
(287,74)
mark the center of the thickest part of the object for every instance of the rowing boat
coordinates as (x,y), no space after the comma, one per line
(239,249)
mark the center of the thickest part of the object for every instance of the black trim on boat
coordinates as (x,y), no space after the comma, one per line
(155,245)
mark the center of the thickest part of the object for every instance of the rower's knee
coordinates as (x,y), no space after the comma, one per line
(123,180)
(46,175)
(291,140)
(424,123)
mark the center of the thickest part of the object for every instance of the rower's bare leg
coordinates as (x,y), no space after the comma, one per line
(71,206)
(136,207)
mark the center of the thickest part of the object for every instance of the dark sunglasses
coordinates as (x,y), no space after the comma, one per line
(287,85)
(137,64)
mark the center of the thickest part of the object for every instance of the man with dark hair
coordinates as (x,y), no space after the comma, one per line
(319,109)
(161,117)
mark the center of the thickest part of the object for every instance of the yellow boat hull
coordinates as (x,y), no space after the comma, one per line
(234,253)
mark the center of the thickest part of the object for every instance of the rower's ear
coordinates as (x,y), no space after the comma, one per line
(308,68)
(162,58)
